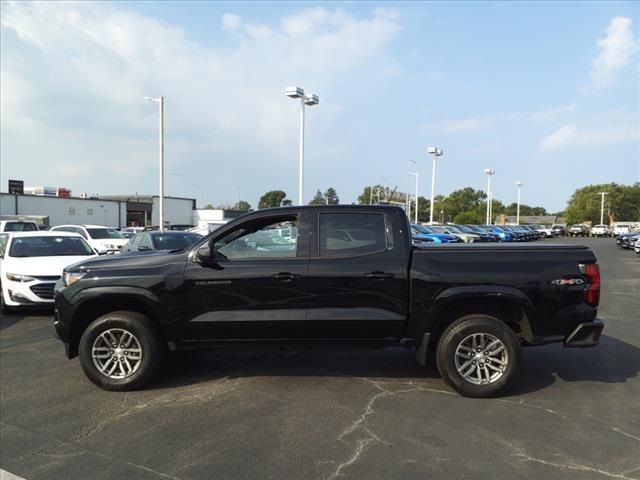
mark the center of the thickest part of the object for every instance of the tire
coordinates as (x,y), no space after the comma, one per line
(135,365)
(502,365)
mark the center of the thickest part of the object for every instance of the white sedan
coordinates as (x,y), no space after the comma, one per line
(32,262)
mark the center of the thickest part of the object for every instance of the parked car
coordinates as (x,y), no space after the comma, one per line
(559,230)
(627,240)
(454,230)
(156,240)
(32,262)
(18,226)
(121,314)
(133,230)
(579,230)
(418,231)
(505,236)
(621,228)
(494,237)
(636,247)
(103,239)
(546,231)
(600,231)
(482,236)
(44,227)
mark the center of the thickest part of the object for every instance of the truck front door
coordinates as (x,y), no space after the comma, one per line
(253,286)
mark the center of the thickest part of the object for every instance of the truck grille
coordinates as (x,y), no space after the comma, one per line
(44,290)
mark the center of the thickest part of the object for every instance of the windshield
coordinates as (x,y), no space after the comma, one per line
(102,233)
(420,228)
(451,228)
(20,227)
(49,247)
(174,242)
(438,229)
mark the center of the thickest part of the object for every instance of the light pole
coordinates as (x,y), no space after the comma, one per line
(160,101)
(602,194)
(519,185)
(310,100)
(436,152)
(489,173)
(415,214)
(407,205)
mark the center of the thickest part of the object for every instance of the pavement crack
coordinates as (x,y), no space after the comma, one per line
(573,466)
(626,434)
(360,424)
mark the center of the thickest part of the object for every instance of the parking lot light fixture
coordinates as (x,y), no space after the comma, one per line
(309,100)
(519,185)
(160,101)
(602,194)
(415,214)
(489,172)
(436,152)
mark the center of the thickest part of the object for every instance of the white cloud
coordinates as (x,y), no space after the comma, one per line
(571,136)
(469,124)
(84,68)
(617,49)
(230,21)
(482,122)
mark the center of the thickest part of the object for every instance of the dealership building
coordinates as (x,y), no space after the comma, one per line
(116,211)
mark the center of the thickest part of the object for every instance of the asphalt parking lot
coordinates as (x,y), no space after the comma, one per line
(323,415)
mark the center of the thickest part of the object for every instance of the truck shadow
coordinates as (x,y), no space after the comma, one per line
(613,361)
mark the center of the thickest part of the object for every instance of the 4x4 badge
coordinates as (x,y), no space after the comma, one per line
(568,281)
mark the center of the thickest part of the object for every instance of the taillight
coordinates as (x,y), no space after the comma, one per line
(592,292)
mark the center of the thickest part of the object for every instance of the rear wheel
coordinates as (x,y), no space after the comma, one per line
(121,351)
(479,356)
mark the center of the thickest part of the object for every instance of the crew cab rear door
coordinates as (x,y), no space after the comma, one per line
(357,277)
(253,286)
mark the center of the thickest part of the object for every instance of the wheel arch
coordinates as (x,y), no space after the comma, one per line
(507,304)
(97,303)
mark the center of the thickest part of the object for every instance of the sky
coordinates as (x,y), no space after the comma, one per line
(545,93)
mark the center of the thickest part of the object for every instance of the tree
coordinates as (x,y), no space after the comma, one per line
(209,206)
(512,209)
(242,206)
(331,196)
(286,202)
(370,195)
(471,216)
(318,199)
(273,198)
(621,204)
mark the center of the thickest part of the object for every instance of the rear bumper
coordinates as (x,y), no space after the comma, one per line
(585,335)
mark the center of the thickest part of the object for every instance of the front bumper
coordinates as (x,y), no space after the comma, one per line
(585,335)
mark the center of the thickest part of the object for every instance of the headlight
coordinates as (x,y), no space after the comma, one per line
(69,278)
(16,277)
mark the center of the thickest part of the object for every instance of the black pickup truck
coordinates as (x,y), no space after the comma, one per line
(346,276)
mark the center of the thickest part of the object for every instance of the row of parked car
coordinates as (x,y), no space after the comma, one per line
(32,260)
(468,233)
(629,241)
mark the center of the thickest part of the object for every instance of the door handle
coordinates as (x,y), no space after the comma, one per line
(380,275)
(285,276)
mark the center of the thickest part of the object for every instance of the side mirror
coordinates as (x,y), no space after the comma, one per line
(203,255)
(252,246)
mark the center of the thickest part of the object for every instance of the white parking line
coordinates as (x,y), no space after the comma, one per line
(4,475)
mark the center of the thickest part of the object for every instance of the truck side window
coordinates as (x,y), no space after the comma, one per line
(343,234)
(273,238)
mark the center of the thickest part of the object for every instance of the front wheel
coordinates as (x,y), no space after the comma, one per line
(121,351)
(479,356)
